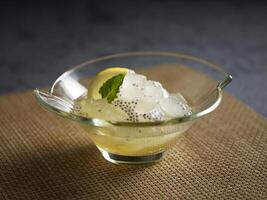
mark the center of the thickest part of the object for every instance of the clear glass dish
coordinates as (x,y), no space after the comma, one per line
(199,81)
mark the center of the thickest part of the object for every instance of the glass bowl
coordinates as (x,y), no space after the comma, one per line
(199,81)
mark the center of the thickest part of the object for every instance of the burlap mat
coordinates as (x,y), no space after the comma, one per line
(42,156)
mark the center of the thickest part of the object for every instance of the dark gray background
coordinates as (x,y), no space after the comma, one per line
(39,41)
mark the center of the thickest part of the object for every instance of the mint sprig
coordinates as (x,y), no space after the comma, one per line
(111,87)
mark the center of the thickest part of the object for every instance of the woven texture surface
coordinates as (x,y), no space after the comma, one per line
(42,156)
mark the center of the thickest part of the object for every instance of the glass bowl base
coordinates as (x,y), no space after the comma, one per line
(121,159)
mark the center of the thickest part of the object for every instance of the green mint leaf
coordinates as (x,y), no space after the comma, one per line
(111,87)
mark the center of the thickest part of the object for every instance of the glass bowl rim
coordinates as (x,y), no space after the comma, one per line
(99,122)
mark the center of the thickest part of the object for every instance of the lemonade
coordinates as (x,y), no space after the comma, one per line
(121,95)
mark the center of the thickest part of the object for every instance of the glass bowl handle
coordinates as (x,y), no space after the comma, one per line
(53,102)
(225,82)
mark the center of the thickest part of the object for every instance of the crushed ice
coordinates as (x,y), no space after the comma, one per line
(146,100)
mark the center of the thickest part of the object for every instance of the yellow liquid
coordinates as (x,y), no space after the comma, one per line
(128,141)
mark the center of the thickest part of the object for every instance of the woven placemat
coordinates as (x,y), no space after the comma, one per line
(42,156)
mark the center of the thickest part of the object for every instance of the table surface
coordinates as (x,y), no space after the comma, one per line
(43,156)
(38,46)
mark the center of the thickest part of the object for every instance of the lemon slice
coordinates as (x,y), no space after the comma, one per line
(102,77)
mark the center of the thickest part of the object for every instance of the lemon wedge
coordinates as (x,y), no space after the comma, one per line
(102,77)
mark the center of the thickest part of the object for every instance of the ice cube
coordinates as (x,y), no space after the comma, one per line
(165,93)
(132,79)
(157,114)
(145,104)
(180,97)
(130,93)
(154,89)
(174,107)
